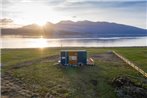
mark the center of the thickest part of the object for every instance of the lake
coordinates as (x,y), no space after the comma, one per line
(19,42)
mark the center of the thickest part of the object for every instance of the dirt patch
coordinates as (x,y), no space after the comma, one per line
(125,88)
(50,58)
(107,56)
(14,88)
(94,82)
(43,60)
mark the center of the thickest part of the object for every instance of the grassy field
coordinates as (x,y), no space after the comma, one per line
(37,68)
(136,55)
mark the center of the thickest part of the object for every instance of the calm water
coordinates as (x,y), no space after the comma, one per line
(13,42)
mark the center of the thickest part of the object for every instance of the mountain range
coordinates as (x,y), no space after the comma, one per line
(80,29)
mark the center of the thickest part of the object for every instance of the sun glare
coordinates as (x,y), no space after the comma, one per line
(41,22)
(42,43)
(38,14)
(39,43)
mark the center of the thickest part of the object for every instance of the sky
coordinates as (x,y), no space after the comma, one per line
(23,12)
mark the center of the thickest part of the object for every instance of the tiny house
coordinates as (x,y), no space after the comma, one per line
(73,57)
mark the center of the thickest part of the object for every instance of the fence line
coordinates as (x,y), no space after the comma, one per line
(131,64)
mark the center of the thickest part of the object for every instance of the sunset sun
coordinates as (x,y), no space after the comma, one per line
(41,22)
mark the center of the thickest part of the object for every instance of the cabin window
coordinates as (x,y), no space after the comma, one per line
(63,58)
(73,58)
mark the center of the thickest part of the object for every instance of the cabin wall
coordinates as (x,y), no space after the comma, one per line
(73,57)
(82,57)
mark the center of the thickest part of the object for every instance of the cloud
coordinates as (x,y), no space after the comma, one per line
(6,21)
(94,0)
(11,2)
(96,4)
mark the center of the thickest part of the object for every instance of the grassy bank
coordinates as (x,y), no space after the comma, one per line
(37,68)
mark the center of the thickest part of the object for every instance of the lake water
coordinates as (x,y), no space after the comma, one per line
(17,42)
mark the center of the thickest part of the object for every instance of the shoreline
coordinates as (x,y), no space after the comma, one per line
(79,47)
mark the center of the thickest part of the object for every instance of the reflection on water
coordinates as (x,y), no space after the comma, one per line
(40,42)
(8,42)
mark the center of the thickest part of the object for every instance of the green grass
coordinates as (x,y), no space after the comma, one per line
(137,55)
(71,82)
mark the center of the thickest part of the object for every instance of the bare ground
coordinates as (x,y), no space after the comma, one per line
(107,57)
(14,88)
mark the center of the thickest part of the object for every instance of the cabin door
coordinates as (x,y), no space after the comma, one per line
(73,58)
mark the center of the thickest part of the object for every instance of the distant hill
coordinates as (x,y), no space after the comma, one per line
(80,29)
(32,30)
(97,29)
